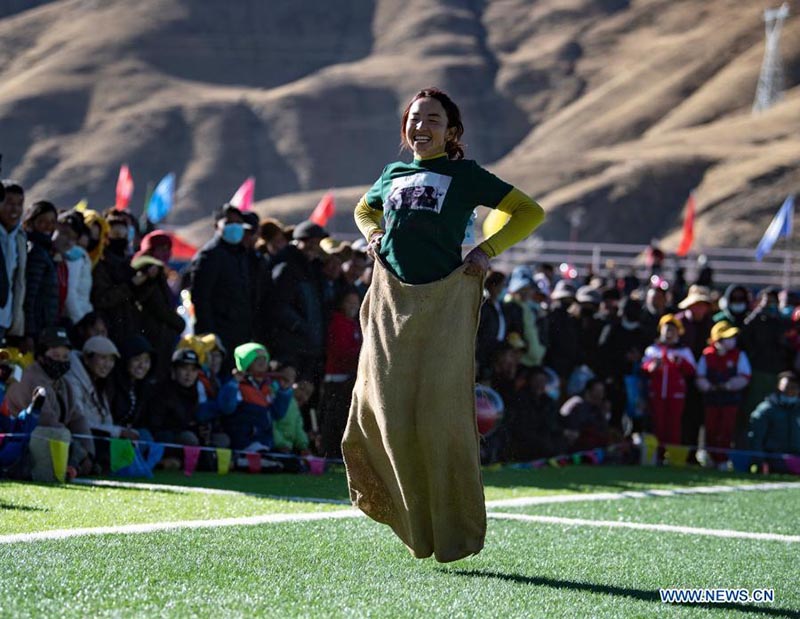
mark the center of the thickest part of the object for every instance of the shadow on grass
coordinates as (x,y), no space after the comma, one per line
(583,478)
(21,508)
(636,594)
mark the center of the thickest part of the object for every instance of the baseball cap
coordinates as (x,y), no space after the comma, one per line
(185,356)
(309,230)
(100,345)
(53,337)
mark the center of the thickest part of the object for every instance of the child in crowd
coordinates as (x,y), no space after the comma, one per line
(670,366)
(722,374)
(585,417)
(251,401)
(134,386)
(173,412)
(288,434)
(344,345)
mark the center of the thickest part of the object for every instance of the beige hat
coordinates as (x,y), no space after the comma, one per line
(332,247)
(100,345)
(697,294)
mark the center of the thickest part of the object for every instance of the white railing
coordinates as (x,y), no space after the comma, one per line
(730,265)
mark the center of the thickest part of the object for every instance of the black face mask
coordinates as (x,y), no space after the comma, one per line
(54,369)
(92,245)
(118,246)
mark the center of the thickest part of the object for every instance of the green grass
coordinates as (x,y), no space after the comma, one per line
(357,568)
(773,512)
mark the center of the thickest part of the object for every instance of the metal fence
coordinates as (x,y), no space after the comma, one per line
(739,266)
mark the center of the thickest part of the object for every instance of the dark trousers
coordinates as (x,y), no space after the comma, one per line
(335,408)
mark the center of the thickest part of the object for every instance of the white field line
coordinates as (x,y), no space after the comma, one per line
(666,528)
(641,494)
(111,483)
(178,524)
(352,513)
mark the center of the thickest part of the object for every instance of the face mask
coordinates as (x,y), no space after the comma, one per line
(629,325)
(92,245)
(738,308)
(54,369)
(118,246)
(233,233)
(728,344)
(771,310)
(73,254)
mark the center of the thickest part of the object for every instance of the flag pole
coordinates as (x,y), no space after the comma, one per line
(787,265)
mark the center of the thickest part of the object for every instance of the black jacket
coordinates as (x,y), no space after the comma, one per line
(161,324)
(174,408)
(221,293)
(41,286)
(297,309)
(113,296)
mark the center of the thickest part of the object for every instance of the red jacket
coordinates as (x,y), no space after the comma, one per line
(668,367)
(344,344)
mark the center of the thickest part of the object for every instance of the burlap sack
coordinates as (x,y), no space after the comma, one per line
(411,446)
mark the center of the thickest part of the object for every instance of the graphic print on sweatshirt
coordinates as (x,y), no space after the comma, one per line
(424,191)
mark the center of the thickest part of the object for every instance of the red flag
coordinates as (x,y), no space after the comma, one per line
(182,251)
(124,188)
(688,228)
(324,210)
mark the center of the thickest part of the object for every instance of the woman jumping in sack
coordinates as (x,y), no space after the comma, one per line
(411,443)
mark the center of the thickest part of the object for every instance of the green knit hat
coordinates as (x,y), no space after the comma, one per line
(246,354)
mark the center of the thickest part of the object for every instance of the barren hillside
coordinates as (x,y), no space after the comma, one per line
(616,107)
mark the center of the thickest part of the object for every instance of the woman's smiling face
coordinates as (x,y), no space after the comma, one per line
(426,129)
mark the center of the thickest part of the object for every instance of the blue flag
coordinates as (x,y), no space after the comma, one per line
(161,200)
(780,226)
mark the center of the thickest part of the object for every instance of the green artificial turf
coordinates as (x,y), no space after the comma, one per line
(26,508)
(357,568)
(775,511)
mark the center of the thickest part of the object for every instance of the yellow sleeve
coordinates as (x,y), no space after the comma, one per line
(526,216)
(368,219)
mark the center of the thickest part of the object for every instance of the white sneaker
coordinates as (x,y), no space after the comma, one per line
(256,447)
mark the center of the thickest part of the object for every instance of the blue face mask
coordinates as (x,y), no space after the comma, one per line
(233,233)
(73,254)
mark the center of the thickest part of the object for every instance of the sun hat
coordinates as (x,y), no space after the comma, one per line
(697,294)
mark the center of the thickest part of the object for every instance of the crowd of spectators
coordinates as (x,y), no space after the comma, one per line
(91,311)
(265,356)
(587,362)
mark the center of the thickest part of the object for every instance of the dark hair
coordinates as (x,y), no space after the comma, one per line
(494,278)
(13,187)
(591,383)
(270,228)
(38,209)
(74,220)
(454,148)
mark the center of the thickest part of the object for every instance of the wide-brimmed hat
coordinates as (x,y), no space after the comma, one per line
(722,331)
(332,247)
(562,290)
(697,294)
